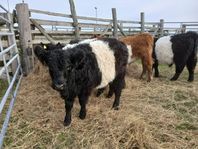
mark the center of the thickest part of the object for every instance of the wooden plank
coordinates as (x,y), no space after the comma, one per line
(75,21)
(25,34)
(42,30)
(190,24)
(115,22)
(142,21)
(63,23)
(128,22)
(93,19)
(60,33)
(93,25)
(106,30)
(161,27)
(79,17)
(54,23)
(122,32)
(50,13)
(69,16)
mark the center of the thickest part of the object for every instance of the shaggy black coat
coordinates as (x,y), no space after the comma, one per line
(184,47)
(75,72)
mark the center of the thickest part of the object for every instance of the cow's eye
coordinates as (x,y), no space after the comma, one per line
(68,68)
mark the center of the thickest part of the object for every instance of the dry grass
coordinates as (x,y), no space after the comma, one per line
(159,114)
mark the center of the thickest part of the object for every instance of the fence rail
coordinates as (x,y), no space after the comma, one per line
(14,79)
(37,26)
(128,27)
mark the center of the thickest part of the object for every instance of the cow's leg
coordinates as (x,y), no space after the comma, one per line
(191,64)
(118,86)
(149,63)
(100,91)
(68,108)
(83,98)
(155,67)
(179,69)
(111,90)
(143,68)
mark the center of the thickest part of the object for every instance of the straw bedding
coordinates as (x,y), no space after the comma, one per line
(159,114)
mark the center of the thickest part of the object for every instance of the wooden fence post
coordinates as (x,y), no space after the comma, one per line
(115,23)
(25,36)
(74,17)
(183,29)
(161,27)
(142,22)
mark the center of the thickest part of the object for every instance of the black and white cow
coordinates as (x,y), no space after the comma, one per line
(180,49)
(82,67)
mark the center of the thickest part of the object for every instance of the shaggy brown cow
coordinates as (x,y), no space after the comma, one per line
(141,46)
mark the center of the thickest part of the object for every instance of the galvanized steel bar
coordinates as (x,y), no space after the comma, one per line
(7,49)
(8,114)
(4,19)
(9,62)
(3,101)
(4,61)
(3,8)
(6,33)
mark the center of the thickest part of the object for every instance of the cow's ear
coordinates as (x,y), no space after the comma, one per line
(41,54)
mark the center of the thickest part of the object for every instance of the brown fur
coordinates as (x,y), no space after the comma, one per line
(142,47)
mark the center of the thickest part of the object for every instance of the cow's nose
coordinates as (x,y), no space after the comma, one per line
(59,86)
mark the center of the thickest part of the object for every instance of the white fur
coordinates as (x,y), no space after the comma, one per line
(68,46)
(106,61)
(130,54)
(163,50)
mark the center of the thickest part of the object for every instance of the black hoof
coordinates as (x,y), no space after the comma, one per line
(116,108)
(67,122)
(109,95)
(156,76)
(190,80)
(82,115)
(173,79)
(98,94)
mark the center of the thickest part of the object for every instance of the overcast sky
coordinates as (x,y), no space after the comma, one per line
(169,10)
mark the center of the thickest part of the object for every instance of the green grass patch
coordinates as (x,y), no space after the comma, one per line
(186,126)
(3,87)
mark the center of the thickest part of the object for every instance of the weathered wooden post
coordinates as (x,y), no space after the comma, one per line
(115,23)
(142,23)
(161,27)
(25,36)
(183,29)
(74,17)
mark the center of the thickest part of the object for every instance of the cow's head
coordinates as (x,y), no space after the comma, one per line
(56,63)
(51,46)
(62,66)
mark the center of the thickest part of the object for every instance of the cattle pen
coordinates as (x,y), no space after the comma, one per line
(158,114)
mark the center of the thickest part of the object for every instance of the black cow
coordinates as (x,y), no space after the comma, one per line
(180,49)
(77,70)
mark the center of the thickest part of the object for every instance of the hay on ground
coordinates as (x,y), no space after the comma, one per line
(159,114)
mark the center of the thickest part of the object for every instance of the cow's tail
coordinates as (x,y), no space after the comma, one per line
(195,49)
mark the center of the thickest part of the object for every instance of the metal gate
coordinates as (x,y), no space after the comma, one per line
(11,69)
